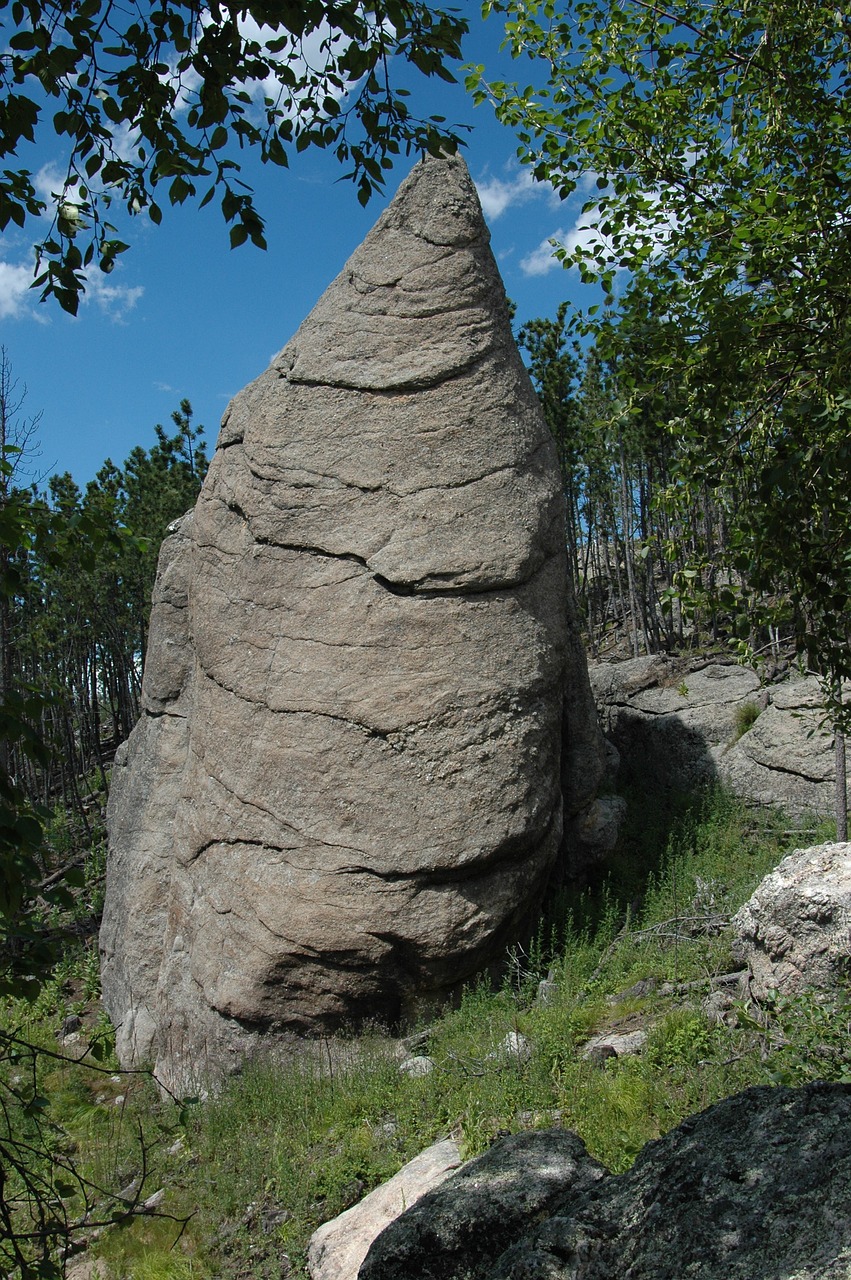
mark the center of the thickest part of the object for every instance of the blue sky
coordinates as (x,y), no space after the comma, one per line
(184,315)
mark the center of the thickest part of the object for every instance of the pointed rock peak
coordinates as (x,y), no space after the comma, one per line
(421,299)
(439,203)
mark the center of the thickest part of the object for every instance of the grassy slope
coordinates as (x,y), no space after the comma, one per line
(281,1150)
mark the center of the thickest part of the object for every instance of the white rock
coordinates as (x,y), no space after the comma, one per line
(624,1044)
(516,1046)
(793,933)
(339,1247)
(416,1067)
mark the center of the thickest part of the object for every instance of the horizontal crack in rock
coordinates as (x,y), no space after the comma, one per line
(277,474)
(793,773)
(410,588)
(422,382)
(270,846)
(511,849)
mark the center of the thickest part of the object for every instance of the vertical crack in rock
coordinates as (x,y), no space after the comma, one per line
(363,638)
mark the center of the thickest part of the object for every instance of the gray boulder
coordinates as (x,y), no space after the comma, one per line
(786,759)
(345,796)
(757,1186)
(671,723)
(794,933)
(462,1229)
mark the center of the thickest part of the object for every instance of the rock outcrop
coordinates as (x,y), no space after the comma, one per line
(794,932)
(756,1186)
(786,759)
(344,795)
(677,726)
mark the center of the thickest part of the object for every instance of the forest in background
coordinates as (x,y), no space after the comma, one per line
(77,569)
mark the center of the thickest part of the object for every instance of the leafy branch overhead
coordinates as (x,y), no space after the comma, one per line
(163,98)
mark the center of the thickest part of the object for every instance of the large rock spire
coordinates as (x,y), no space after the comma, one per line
(344,792)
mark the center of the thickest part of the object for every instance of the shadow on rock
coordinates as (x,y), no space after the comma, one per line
(757,1186)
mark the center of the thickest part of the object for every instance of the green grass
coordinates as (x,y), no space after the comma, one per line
(283,1148)
(744,718)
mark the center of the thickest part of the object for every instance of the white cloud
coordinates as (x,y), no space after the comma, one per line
(499,194)
(15,295)
(540,262)
(114,300)
(655,224)
(588,182)
(18,299)
(125,141)
(582,235)
(49,182)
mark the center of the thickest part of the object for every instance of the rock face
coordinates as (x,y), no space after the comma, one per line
(344,794)
(756,1186)
(674,726)
(670,725)
(786,758)
(795,931)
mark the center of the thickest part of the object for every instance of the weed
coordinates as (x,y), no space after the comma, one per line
(682,1039)
(154,1265)
(745,717)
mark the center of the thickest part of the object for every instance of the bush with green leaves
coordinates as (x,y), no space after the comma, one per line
(809,1037)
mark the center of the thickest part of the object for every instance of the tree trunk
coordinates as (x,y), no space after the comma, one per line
(841,788)
(628,546)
